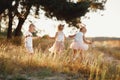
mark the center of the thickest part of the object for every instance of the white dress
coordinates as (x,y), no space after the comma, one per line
(58,46)
(29,42)
(78,42)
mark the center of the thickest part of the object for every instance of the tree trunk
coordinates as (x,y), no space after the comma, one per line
(9,31)
(19,27)
(21,22)
(18,33)
(0,26)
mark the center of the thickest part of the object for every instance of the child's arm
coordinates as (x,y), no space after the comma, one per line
(71,36)
(65,37)
(55,36)
(38,37)
(86,41)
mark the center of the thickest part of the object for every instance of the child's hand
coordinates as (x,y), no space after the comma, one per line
(91,42)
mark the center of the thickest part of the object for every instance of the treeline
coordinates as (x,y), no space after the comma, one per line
(104,38)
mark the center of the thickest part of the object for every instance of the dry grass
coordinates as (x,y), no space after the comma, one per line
(17,64)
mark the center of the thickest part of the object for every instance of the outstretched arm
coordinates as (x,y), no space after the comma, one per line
(37,37)
(86,41)
(71,36)
(55,36)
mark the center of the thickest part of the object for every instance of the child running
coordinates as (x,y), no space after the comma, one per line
(58,45)
(79,43)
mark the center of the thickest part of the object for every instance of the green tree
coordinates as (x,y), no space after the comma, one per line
(61,9)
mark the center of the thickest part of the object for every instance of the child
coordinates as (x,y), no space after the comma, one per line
(28,39)
(58,46)
(80,43)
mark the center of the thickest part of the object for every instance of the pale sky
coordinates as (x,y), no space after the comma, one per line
(98,26)
(106,25)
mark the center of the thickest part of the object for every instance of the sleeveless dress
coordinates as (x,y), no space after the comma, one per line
(58,45)
(78,42)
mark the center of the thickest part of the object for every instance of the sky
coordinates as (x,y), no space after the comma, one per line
(101,24)
(106,25)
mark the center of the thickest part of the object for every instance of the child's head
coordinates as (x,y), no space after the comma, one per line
(60,27)
(83,29)
(31,27)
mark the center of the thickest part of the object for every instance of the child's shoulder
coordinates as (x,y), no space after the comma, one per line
(79,33)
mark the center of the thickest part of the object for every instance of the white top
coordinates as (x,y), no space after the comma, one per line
(28,39)
(60,36)
(79,37)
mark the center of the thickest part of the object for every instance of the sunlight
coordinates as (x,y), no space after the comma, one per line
(65,55)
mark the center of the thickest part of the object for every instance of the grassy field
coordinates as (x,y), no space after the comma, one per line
(100,62)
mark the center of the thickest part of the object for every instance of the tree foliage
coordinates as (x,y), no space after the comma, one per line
(61,9)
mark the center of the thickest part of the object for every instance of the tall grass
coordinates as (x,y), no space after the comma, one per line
(95,65)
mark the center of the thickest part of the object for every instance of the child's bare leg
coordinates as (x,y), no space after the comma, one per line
(81,54)
(75,54)
(54,56)
(51,54)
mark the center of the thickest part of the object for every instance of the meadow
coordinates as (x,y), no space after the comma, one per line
(100,62)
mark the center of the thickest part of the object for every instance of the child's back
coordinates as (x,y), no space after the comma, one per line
(79,37)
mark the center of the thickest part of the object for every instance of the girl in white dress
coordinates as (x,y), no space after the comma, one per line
(80,43)
(58,45)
